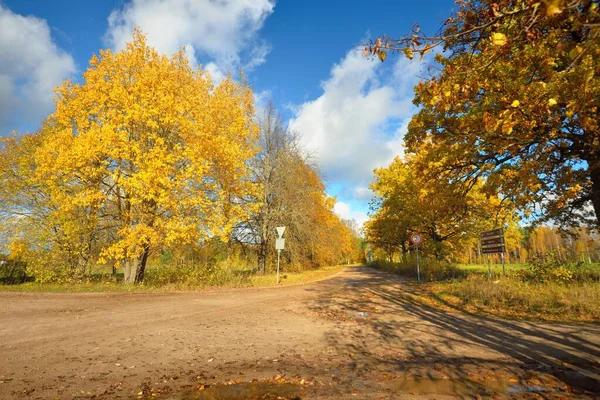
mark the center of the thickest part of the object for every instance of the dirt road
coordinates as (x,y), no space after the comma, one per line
(357,335)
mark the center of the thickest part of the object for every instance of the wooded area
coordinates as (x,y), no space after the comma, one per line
(148,159)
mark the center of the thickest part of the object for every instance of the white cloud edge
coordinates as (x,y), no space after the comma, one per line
(32,65)
(223,34)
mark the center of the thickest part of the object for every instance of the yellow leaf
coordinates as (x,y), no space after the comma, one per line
(382,55)
(426,50)
(408,53)
(498,39)
(507,127)
(515,103)
(553,7)
(552,102)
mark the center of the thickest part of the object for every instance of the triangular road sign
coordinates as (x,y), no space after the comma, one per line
(280,230)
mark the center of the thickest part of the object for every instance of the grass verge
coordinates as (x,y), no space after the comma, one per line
(159,281)
(509,297)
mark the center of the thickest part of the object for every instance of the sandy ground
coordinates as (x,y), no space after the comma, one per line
(356,335)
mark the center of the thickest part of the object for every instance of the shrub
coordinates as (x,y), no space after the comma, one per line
(232,272)
(13,272)
(551,269)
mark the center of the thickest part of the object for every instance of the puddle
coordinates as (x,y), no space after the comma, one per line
(250,390)
(529,389)
(463,387)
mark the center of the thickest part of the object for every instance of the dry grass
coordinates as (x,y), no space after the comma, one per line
(549,292)
(513,298)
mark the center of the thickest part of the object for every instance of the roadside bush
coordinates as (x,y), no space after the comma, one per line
(584,273)
(431,269)
(13,272)
(50,267)
(551,269)
(230,272)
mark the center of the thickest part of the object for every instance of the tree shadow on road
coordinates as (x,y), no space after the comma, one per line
(384,329)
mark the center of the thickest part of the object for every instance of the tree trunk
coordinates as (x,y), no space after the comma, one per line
(139,277)
(264,237)
(437,250)
(594,168)
(262,255)
(127,271)
(131,268)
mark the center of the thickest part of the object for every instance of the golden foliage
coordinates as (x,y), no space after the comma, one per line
(146,152)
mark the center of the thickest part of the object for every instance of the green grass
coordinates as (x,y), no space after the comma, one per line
(497,268)
(164,278)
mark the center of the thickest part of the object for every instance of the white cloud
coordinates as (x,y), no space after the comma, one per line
(31,66)
(215,72)
(225,31)
(347,127)
(345,211)
(262,98)
(363,193)
(359,121)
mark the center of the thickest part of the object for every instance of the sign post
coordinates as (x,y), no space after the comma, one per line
(492,242)
(279,245)
(416,240)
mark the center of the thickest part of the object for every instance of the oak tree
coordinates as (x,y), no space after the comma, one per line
(516,102)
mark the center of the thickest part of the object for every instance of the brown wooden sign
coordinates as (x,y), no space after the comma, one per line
(493,250)
(492,242)
(493,233)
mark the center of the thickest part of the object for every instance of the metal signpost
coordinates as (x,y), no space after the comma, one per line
(279,245)
(492,242)
(416,239)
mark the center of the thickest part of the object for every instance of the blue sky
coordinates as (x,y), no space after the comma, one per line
(349,112)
